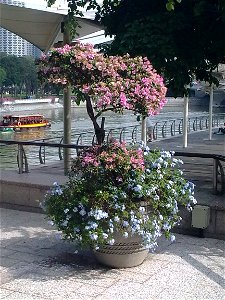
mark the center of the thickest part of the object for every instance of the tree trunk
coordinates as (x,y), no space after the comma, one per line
(99,131)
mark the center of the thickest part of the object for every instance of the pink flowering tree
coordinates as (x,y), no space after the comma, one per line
(105,82)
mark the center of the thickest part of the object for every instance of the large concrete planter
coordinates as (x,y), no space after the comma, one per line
(125,253)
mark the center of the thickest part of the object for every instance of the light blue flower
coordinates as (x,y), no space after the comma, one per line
(58,191)
(166,226)
(66,210)
(123,207)
(116,219)
(160,217)
(137,188)
(125,234)
(105,235)
(156,198)
(172,238)
(111,242)
(82,212)
(58,236)
(93,236)
(125,224)
(124,195)
(51,223)
(64,223)
(68,217)
(142,209)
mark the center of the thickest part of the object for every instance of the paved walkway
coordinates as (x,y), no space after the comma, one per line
(198,142)
(35,265)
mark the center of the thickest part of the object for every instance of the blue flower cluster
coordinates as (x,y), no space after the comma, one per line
(144,203)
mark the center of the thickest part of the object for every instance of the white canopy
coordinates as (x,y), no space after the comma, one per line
(40,28)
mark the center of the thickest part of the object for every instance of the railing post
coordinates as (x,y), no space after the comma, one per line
(20,158)
(215,175)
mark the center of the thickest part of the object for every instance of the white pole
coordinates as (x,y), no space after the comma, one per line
(210,111)
(143,130)
(185,122)
(66,111)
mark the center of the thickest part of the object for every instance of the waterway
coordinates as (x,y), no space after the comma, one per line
(80,123)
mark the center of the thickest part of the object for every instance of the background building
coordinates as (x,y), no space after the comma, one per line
(11,43)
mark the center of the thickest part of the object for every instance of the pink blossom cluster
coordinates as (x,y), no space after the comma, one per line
(115,157)
(113,82)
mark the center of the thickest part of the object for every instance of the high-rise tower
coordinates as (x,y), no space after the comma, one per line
(11,43)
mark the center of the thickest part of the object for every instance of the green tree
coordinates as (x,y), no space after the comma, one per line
(185,42)
(190,41)
(2,78)
(2,75)
(20,74)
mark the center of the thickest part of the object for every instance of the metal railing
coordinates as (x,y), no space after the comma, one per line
(218,176)
(130,134)
(172,127)
(218,173)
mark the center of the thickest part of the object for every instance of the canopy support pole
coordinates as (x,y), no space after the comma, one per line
(66,110)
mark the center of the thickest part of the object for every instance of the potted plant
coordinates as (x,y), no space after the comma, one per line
(119,200)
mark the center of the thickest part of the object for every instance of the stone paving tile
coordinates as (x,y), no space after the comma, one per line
(21,296)
(148,268)
(208,260)
(34,285)
(25,257)
(5,293)
(192,240)
(15,271)
(37,266)
(200,289)
(90,290)
(179,279)
(129,290)
(176,294)
(8,262)
(5,252)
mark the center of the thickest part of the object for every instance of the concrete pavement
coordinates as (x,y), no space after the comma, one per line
(35,265)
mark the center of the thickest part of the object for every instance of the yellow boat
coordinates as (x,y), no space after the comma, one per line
(18,123)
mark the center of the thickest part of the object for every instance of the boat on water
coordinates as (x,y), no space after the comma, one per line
(18,123)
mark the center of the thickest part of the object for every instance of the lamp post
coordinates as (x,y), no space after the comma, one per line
(143,130)
(185,119)
(210,111)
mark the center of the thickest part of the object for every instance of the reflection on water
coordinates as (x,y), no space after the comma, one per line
(80,123)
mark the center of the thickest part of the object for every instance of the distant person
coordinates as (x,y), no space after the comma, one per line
(150,128)
(221,130)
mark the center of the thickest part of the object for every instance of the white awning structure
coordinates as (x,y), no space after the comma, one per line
(40,28)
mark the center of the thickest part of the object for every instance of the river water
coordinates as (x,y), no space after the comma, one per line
(80,123)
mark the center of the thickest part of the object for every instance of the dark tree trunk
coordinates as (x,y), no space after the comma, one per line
(99,131)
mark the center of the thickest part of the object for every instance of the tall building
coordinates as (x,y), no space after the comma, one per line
(11,43)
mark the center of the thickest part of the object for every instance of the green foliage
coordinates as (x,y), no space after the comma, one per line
(170,5)
(182,39)
(188,42)
(2,75)
(20,72)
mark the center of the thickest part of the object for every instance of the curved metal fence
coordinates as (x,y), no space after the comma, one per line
(131,134)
